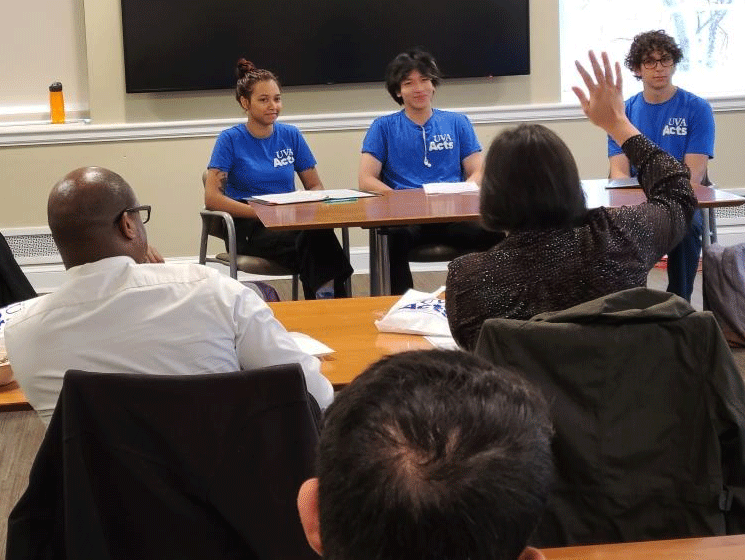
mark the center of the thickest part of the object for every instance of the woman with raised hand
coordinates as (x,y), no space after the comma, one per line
(261,157)
(557,253)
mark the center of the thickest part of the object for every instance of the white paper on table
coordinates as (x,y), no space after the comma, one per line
(443,342)
(621,183)
(450,188)
(310,345)
(6,313)
(310,196)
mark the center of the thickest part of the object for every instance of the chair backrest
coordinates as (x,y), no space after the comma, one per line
(151,466)
(215,225)
(649,412)
(723,289)
(14,286)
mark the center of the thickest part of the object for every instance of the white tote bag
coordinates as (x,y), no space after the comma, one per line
(417,313)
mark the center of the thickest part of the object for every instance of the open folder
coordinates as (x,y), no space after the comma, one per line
(309,196)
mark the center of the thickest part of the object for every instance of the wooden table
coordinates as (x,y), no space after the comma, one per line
(708,548)
(347,326)
(709,198)
(404,207)
(413,206)
(12,398)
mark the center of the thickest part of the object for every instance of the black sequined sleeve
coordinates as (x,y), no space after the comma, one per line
(667,184)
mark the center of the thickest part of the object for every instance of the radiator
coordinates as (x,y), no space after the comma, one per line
(32,246)
(731,215)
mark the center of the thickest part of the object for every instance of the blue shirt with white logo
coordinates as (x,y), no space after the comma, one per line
(413,155)
(257,166)
(684,124)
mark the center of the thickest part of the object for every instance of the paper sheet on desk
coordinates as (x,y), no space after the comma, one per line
(450,188)
(310,345)
(310,196)
(6,313)
(624,183)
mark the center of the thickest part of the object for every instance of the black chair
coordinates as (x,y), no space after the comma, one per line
(649,412)
(436,253)
(165,466)
(709,217)
(14,286)
(220,224)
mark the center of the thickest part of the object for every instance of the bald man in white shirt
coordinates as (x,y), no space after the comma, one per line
(119,312)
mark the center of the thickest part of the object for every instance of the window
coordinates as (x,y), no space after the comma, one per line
(708,31)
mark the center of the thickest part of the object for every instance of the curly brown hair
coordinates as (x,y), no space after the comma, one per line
(648,42)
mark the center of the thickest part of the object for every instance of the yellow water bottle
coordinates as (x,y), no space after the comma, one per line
(56,103)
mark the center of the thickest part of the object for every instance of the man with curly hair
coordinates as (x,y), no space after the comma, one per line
(680,123)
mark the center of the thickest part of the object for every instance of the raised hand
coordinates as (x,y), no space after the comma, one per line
(603,103)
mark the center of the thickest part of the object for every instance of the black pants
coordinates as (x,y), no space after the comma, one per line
(461,235)
(314,254)
(682,261)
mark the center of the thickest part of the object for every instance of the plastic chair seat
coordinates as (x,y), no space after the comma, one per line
(436,253)
(254,265)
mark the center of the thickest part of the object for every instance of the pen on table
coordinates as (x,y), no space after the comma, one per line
(335,200)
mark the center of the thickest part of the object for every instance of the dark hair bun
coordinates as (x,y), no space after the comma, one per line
(243,67)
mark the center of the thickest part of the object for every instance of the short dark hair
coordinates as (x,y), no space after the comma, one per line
(403,64)
(248,76)
(530,182)
(433,454)
(648,42)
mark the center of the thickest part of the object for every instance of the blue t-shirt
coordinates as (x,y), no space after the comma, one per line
(405,148)
(684,124)
(258,166)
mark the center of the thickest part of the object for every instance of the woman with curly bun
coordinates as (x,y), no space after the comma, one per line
(261,157)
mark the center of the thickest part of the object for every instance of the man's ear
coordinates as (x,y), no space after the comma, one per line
(307,506)
(531,553)
(127,226)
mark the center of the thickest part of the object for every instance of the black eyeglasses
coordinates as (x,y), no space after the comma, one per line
(144,211)
(651,63)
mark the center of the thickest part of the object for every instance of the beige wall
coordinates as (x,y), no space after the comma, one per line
(166,173)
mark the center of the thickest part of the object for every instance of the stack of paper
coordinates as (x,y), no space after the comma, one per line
(450,188)
(309,196)
(310,345)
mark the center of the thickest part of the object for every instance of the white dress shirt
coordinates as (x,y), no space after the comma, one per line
(117,316)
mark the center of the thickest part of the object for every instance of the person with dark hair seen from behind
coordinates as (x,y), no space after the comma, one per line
(419,145)
(680,123)
(558,254)
(262,157)
(432,454)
